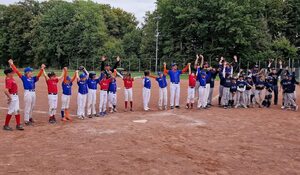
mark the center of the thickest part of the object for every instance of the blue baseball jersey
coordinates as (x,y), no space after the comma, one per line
(112,86)
(67,88)
(175,76)
(259,85)
(92,83)
(147,83)
(233,87)
(208,77)
(288,86)
(162,81)
(29,83)
(82,87)
(241,84)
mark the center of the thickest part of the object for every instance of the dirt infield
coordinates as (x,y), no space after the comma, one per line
(214,141)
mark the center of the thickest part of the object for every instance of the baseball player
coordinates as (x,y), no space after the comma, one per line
(249,92)
(106,68)
(191,89)
(146,90)
(214,74)
(268,93)
(226,81)
(275,75)
(92,82)
(112,94)
(128,83)
(163,91)
(202,83)
(82,95)
(104,86)
(52,80)
(240,94)
(233,89)
(11,92)
(174,74)
(195,68)
(66,95)
(289,87)
(29,86)
(259,87)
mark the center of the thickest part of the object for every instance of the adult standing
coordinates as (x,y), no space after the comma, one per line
(275,76)
(174,74)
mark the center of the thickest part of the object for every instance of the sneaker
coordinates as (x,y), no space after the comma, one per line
(295,108)
(165,108)
(104,113)
(28,123)
(177,107)
(187,106)
(225,107)
(19,127)
(101,114)
(111,111)
(31,120)
(7,128)
(115,110)
(81,117)
(282,107)
(236,106)
(172,107)
(96,115)
(90,116)
(131,109)
(160,108)
(245,106)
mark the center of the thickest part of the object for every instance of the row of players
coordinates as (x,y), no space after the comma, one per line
(244,91)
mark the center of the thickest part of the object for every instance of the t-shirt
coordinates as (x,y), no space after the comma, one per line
(82,87)
(175,76)
(29,82)
(104,84)
(147,83)
(11,85)
(192,80)
(128,82)
(67,88)
(52,85)
(162,81)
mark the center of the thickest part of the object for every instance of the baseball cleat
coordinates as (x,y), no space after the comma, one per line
(172,107)
(115,110)
(31,120)
(28,123)
(177,107)
(7,128)
(104,113)
(131,110)
(160,108)
(165,108)
(19,127)
(90,116)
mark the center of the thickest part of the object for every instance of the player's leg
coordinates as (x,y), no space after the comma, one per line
(192,99)
(33,100)
(188,98)
(177,96)
(104,102)
(220,95)
(114,102)
(210,96)
(165,97)
(131,99)
(94,95)
(101,103)
(27,103)
(160,98)
(89,102)
(172,95)
(144,99)
(109,101)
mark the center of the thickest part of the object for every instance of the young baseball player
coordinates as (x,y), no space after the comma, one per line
(29,86)
(163,92)
(195,68)
(259,86)
(66,95)
(275,75)
(82,95)
(92,82)
(52,81)
(249,92)
(174,74)
(240,94)
(146,90)
(233,89)
(268,93)
(104,86)
(128,83)
(289,87)
(202,86)
(11,92)
(191,89)
(226,81)
(214,74)
(112,94)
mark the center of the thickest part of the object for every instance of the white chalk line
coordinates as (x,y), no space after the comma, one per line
(36,111)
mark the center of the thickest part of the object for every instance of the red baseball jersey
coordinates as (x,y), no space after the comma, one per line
(11,85)
(52,85)
(104,84)
(128,82)
(192,80)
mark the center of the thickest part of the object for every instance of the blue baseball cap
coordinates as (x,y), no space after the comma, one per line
(28,69)
(159,73)
(68,78)
(82,76)
(174,64)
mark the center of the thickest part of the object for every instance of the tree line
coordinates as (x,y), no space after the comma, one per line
(60,33)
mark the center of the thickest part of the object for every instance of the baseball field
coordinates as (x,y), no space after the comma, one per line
(214,141)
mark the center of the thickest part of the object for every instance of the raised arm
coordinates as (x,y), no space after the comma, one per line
(120,75)
(77,75)
(196,61)
(186,68)
(117,63)
(41,71)
(45,75)
(62,74)
(165,68)
(190,71)
(269,66)
(280,68)
(103,58)
(65,74)
(14,68)
(202,61)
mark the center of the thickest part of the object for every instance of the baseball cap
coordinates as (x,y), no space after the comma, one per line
(82,76)
(91,74)
(28,69)
(68,78)
(51,74)
(256,66)
(174,64)
(159,73)
(8,71)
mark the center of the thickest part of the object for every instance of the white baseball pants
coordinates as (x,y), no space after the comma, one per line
(112,99)
(210,96)
(175,94)
(163,97)
(206,94)
(225,96)
(81,103)
(14,105)
(201,100)
(91,102)
(29,100)
(52,102)
(65,101)
(128,94)
(146,98)
(103,101)
(191,95)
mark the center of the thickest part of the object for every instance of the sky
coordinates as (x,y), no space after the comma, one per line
(137,7)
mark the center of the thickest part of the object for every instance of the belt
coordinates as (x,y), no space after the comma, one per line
(14,94)
(30,90)
(104,90)
(128,88)
(52,93)
(112,92)
(175,83)
(192,87)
